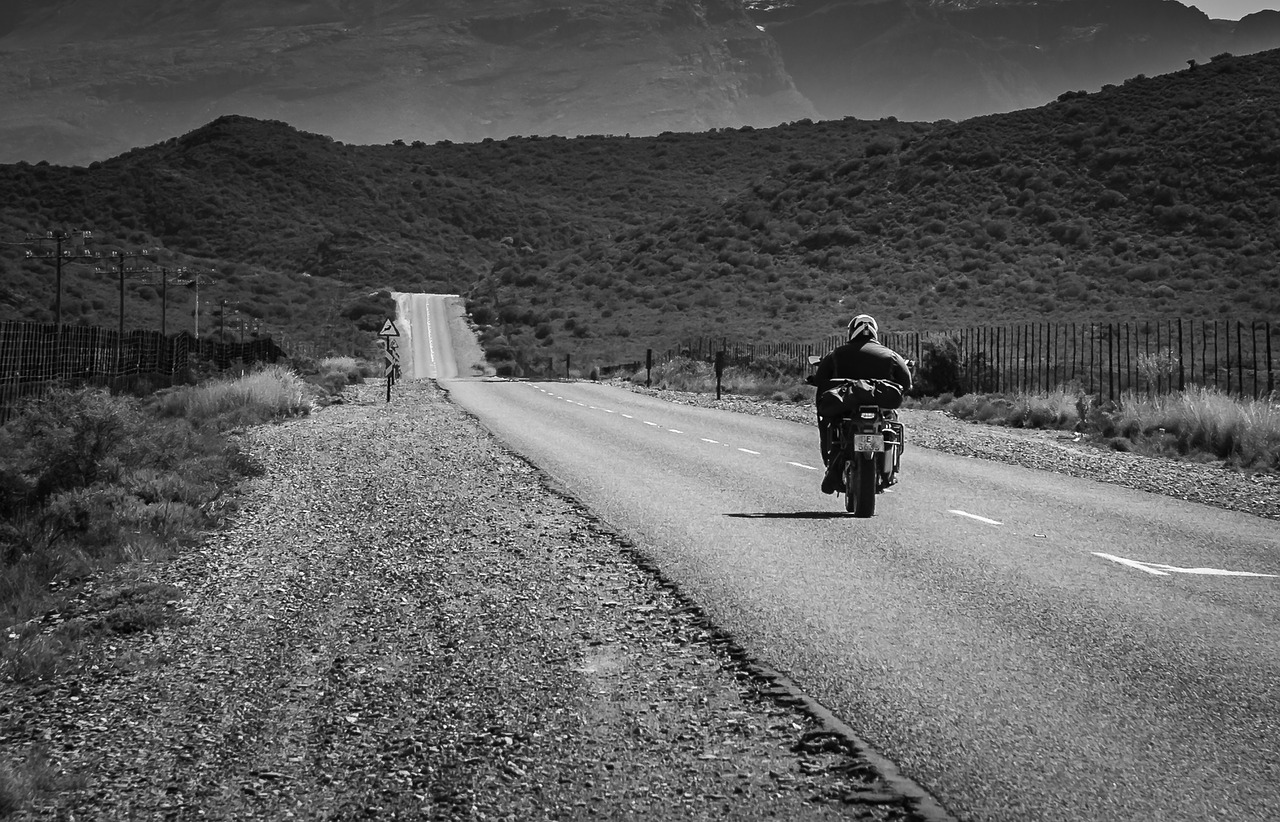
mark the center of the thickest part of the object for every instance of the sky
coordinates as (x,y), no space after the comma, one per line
(1232,9)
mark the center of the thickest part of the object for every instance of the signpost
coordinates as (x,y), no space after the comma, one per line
(388,336)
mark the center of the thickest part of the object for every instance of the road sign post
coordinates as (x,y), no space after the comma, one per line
(391,353)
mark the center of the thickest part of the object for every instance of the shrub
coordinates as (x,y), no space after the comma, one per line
(88,480)
(939,368)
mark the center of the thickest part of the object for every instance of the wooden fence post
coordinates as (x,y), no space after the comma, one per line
(1239,361)
(1182,382)
(1271,383)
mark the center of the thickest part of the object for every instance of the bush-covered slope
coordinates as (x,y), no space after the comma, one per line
(1155,198)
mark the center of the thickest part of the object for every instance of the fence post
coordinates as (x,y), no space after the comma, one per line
(1182,382)
(1239,361)
(1271,384)
(648,367)
(719,370)
(1111,354)
(1226,338)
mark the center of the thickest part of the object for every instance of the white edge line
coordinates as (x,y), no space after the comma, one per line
(974,516)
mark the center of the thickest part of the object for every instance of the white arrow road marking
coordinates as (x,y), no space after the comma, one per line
(1132,563)
(974,516)
(1159,569)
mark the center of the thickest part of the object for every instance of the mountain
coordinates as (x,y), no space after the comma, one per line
(1155,198)
(953,59)
(83,80)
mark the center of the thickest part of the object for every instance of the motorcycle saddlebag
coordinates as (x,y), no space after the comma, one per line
(845,398)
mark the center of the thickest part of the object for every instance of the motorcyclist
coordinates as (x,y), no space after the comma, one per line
(863,357)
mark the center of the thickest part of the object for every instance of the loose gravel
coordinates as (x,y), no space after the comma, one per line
(405,621)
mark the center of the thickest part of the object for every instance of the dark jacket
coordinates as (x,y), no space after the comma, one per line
(863,359)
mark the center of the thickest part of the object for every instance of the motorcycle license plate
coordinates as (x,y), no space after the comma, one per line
(868,442)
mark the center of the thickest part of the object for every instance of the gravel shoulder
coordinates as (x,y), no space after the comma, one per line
(404,621)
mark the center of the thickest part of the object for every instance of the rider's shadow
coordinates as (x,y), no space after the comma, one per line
(792,515)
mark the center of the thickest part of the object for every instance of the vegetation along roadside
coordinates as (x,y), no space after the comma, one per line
(1198,424)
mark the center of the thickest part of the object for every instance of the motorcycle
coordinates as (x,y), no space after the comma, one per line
(866,439)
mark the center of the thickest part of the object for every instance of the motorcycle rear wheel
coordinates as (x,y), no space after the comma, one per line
(860,486)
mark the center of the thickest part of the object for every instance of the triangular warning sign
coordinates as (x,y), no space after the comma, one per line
(389,329)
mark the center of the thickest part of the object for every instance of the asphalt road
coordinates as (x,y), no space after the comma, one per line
(1026,646)
(425,345)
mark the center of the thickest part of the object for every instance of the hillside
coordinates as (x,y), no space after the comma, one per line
(1156,198)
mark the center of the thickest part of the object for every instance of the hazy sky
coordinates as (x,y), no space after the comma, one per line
(1231,9)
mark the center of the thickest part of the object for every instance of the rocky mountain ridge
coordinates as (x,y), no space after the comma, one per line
(85,81)
(954,59)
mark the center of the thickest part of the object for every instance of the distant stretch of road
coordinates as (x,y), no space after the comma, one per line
(423,323)
(1025,645)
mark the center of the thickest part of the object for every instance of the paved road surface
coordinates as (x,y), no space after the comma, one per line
(1027,646)
(425,347)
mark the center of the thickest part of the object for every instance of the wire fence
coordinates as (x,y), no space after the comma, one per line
(35,358)
(1104,359)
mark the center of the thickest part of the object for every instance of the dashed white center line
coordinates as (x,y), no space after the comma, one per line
(802,465)
(974,516)
(628,416)
(749,451)
(654,424)
(674,431)
(713,442)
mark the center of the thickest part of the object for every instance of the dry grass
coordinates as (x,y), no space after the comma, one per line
(1199,423)
(269,393)
(1241,432)
(763,378)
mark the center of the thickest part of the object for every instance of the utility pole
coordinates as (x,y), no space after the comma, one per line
(121,256)
(59,254)
(36,250)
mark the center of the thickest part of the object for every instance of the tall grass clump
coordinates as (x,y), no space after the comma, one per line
(266,394)
(335,373)
(1240,431)
(1057,409)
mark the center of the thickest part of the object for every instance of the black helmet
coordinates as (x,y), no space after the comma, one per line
(864,325)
